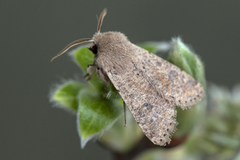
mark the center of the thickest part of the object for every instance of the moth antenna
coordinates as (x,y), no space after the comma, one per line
(73,44)
(102,15)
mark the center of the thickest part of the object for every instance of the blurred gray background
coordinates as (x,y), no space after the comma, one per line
(32,32)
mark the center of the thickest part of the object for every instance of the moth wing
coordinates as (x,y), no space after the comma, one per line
(154,115)
(169,80)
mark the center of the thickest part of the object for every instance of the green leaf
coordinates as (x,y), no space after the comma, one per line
(83,58)
(200,72)
(94,115)
(187,60)
(66,95)
(155,47)
(122,139)
(151,47)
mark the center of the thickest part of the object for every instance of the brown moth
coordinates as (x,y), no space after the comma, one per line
(150,86)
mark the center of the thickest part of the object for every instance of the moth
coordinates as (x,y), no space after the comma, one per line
(150,86)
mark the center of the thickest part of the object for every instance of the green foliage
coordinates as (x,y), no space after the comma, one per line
(182,56)
(66,95)
(95,114)
(122,139)
(155,47)
(83,57)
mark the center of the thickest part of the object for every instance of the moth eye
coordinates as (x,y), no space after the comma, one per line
(93,49)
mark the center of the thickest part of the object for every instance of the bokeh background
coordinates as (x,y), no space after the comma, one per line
(32,32)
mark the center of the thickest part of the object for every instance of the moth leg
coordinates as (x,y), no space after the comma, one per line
(125,119)
(104,90)
(102,75)
(87,77)
(90,70)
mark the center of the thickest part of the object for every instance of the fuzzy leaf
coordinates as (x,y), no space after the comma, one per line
(66,95)
(83,58)
(184,58)
(94,115)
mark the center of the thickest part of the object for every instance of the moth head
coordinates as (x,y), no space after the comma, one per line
(105,40)
(93,47)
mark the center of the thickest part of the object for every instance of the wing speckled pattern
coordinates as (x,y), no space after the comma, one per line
(169,80)
(150,86)
(155,115)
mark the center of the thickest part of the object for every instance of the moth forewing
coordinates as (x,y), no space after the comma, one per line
(169,80)
(153,113)
(150,86)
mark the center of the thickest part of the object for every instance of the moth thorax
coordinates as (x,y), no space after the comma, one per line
(109,38)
